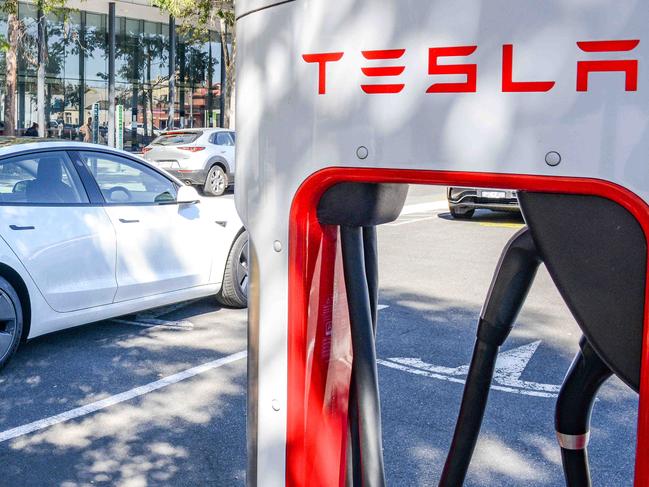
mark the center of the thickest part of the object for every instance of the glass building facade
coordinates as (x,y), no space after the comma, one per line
(77,76)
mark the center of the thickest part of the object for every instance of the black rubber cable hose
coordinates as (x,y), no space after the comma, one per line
(574,406)
(512,280)
(474,402)
(353,478)
(372,271)
(364,371)
(354,474)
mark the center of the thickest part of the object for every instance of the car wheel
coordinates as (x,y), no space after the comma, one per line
(461,212)
(11,321)
(216,182)
(234,289)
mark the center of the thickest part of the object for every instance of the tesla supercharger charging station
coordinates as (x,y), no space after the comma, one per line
(549,98)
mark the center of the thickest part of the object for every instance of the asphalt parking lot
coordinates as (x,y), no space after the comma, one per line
(159,398)
(435,286)
(189,432)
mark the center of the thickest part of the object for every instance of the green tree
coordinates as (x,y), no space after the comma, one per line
(10,44)
(17,36)
(195,17)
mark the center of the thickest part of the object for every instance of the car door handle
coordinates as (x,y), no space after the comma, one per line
(18,227)
(124,220)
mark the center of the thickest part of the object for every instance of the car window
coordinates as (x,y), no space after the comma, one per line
(234,138)
(222,138)
(177,138)
(124,181)
(43,178)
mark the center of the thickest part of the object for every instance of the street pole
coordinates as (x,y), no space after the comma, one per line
(208,122)
(223,77)
(95,123)
(172,71)
(111,74)
(135,95)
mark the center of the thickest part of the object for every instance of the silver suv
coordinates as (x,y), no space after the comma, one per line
(202,157)
(464,201)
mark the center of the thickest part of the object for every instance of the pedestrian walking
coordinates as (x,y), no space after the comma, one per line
(86,130)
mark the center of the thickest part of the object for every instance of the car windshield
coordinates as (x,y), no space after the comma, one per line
(177,138)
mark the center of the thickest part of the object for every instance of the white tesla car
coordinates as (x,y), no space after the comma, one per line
(90,233)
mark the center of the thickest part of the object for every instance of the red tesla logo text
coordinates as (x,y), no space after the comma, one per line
(469,70)
(383,71)
(376,74)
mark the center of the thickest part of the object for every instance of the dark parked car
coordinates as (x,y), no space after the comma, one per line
(464,201)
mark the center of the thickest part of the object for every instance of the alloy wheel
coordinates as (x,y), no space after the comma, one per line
(217,182)
(242,269)
(8,328)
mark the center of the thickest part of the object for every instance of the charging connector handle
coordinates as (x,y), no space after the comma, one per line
(512,280)
(586,375)
(511,283)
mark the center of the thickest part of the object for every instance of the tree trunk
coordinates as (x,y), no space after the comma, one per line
(230,94)
(11,82)
(230,79)
(148,117)
(40,82)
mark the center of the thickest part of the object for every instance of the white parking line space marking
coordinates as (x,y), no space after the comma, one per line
(419,212)
(441,205)
(118,398)
(509,367)
(406,221)
(511,364)
(382,306)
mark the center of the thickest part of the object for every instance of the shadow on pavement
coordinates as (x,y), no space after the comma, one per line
(189,433)
(517,445)
(482,216)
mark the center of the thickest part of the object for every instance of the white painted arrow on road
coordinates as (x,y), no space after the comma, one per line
(509,367)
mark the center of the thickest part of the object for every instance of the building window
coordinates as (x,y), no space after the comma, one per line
(77,75)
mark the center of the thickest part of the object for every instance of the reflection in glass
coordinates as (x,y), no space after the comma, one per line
(54,112)
(3,35)
(199,88)
(155,79)
(2,105)
(74,44)
(97,92)
(77,75)
(95,47)
(71,103)
(27,55)
(3,70)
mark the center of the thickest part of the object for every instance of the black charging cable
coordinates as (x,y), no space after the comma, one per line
(370,252)
(573,410)
(357,208)
(511,283)
(360,269)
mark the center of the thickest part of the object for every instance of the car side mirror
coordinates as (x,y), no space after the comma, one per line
(187,195)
